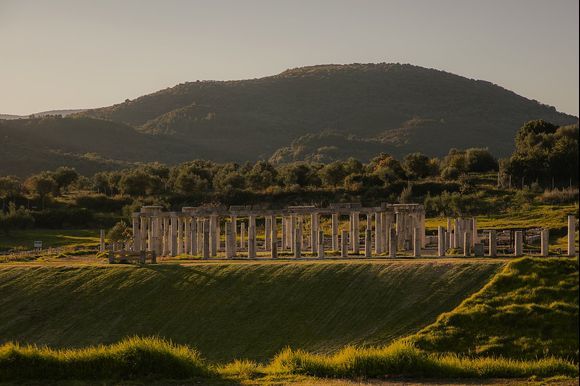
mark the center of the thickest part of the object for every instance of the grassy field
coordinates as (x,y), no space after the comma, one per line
(231,310)
(529,310)
(24,239)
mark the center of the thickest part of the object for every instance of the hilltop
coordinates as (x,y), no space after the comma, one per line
(319,113)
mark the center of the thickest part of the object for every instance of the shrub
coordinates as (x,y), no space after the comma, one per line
(560,196)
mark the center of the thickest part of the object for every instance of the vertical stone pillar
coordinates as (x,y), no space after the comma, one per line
(273,236)
(423,228)
(320,244)
(466,244)
(143,243)
(297,242)
(387,226)
(102,240)
(213,235)
(173,233)
(267,233)
(314,227)
(164,236)
(300,225)
(234,221)
(379,231)
(251,241)
(179,235)
(205,251)
(474,231)
(292,231)
(230,240)
(492,243)
(457,234)
(355,233)
(393,242)
(417,242)
(200,226)
(518,243)
(218,236)
(441,241)
(343,244)
(544,242)
(368,242)
(156,234)
(135,228)
(243,236)
(571,235)
(334,233)
(193,236)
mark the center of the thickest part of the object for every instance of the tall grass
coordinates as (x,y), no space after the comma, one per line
(403,359)
(132,358)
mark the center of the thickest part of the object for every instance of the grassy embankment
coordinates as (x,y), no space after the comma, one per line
(537,299)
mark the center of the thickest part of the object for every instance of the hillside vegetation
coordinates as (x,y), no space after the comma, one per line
(322,113)
(528,310)
(233,310)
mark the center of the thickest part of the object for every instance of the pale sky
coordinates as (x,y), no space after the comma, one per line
(64,54)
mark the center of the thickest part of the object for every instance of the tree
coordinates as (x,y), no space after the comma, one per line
(480,160)
(332,174)
(10,187)
(42,184)
(65,176)
(15,218)
(417,165)
(262,175)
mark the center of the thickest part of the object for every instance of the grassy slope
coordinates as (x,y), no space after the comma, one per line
(529,310)
(24,239)
(233,310)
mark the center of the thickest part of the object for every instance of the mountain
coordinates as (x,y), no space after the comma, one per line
(321,113)
(62,113)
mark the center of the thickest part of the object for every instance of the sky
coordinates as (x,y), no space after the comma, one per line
(66,54)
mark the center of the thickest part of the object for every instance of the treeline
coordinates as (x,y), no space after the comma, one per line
(545,156)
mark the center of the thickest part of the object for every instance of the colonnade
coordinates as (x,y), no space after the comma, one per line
(294,230)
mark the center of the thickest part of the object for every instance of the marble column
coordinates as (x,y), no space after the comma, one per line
(571,235)
(206,239)
(242,235)
(273,237)
(393,243)
(234,221)
(320,244)
(368,242)
(230,240)
(179,235)
(518,243)
(213,219)
(297,242)
(441,241)
(355,232)
(544,242)
(102,240)
(252,241)
(417,242)
(267,233)
(466,244)
(334,233)
(173,232)
(143,235)
(344,244)
(379,231)
(136,232)
(314,228)
(193,236)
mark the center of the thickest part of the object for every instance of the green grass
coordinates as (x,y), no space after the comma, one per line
(152,358)
(233,310)
(24,239)
(529,310)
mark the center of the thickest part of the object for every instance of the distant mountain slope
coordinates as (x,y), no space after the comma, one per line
(41,114)
(90,145)
(402,107)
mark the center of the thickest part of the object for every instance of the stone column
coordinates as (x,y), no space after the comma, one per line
(417,242)
(157,234)
(206,239)
(274,249)
(143,235)
(334,233)
(355,233)
(393,242)
(179,235)
(243,236)
(200,222)
(422,226)
(474,231)
(230,240)
(571,235)
(387,225)
(544,242)
(368,242)
(297,242)
(173,233)
(193,236)
(379,232)
(457,234)
(292,231)
(492,243)
(267,233)
(218,232)
(343,244)
(213,235)
(320,244)
(234,221)
(283,236)
(252,241)
(441,241)
(102,240)
(466,244)
(314,232)
(136,234)
(518,243)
